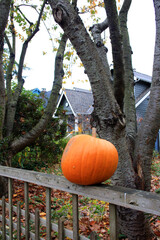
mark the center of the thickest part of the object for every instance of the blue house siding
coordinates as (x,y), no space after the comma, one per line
(141,109)
(157,143)
(140,87)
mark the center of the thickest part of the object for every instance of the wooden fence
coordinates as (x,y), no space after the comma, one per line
(125,197)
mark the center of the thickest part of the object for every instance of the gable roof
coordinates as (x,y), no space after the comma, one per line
(36,90)
(142,77)
(79,100)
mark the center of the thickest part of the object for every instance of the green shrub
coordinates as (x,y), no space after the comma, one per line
(48,147)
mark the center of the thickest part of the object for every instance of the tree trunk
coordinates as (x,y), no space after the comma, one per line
(150,125)
(4,12)
(117,51)
(129,99)
(108,116)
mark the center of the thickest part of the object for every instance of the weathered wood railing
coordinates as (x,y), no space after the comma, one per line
(129,198)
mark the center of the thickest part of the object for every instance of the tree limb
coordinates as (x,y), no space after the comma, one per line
(129,98)
(151,124)
(10,70)
(96,30)
(117,51)
(28,138)
(4,12)
(13,103)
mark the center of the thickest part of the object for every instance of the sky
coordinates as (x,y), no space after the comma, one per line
(141,25)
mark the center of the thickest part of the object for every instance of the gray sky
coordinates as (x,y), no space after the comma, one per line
(141,25)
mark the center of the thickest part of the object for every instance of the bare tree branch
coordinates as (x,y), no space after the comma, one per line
(11,63)
(96,30)
(13,103)
(129,98)
(30,137)
(117,51)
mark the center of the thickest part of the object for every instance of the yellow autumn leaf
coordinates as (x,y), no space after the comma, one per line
(42,214)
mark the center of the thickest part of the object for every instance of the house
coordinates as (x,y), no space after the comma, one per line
(77,103)
(142,92)
(36,91)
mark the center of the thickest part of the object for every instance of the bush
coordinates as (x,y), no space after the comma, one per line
(48,147)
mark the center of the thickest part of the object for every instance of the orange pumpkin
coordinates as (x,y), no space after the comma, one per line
(87,160)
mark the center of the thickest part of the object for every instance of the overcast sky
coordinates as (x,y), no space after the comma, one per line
(141,25)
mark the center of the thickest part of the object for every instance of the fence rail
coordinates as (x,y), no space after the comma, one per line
(130,198)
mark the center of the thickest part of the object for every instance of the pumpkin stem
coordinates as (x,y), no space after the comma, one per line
(94,132)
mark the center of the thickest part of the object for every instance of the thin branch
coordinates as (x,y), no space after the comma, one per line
(30,23)
(11,113)
(28,138)
(34,7)
(90,8)
(25,46)
(12,55)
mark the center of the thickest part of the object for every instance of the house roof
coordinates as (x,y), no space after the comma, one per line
(143,77)
(81,100)
(36,90)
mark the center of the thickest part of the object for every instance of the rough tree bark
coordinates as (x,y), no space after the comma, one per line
(109,110)
(129,99)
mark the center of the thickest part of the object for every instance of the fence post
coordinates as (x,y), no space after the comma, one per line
(26,199)
(37,223)
(3,218)
(113,221)
(10,209)
(75,217)
(18,221)
(93,236)
(61,229)
(48,213)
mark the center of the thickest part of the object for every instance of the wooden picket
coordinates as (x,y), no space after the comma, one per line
(130,198)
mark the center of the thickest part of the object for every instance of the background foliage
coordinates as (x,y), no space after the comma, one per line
(48,147)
